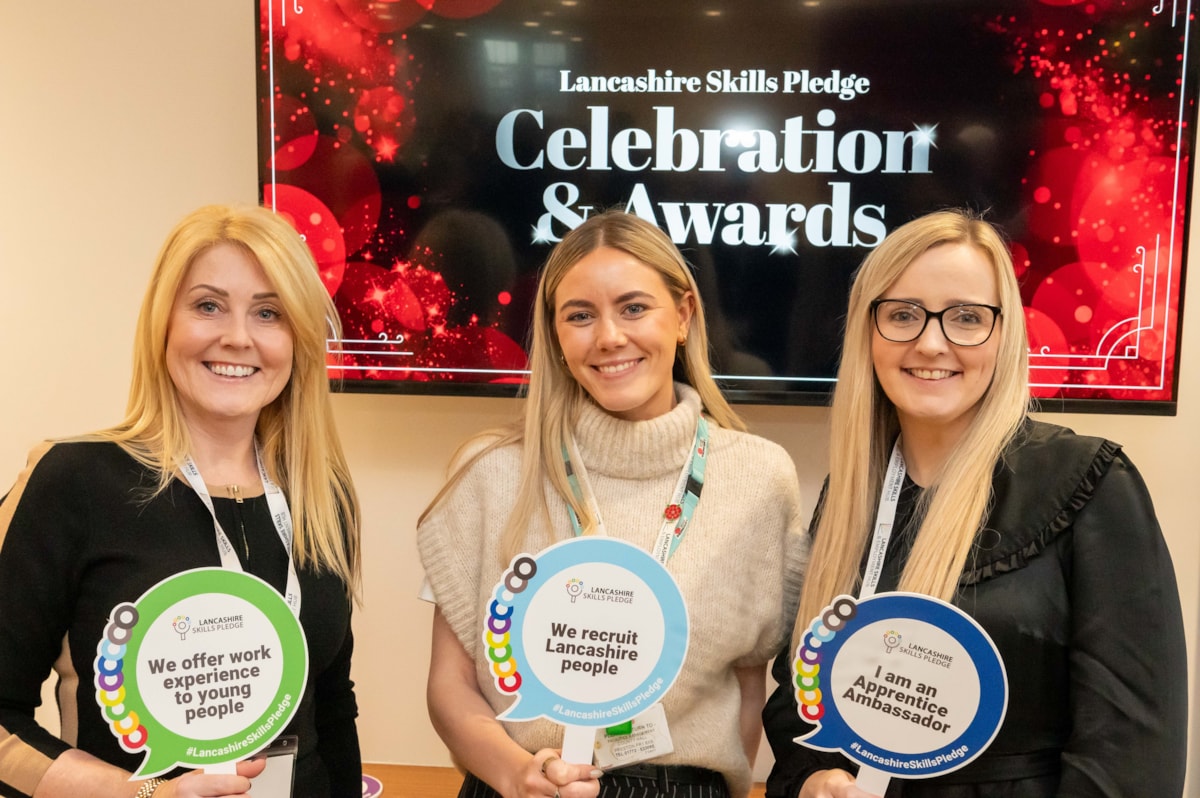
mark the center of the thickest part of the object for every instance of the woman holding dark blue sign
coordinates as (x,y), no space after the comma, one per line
(620,397)
(1046,538)
(227,457)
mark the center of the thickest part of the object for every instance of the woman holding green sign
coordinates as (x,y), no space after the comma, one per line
(620,389)
(227,457)
(1046,538)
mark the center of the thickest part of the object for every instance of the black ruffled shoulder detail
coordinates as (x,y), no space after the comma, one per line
(1044,479)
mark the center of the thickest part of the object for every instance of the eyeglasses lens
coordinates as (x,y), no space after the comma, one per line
(964,325)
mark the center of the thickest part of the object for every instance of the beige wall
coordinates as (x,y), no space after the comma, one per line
(119,118)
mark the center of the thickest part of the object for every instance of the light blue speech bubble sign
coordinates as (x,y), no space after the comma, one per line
(900,683)
(589,632)
(206,667)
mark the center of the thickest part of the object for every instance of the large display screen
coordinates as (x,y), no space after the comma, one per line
(432,152)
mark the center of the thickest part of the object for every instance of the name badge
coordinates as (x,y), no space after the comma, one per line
(649,738)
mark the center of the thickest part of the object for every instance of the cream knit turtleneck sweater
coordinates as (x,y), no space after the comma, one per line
(739,567)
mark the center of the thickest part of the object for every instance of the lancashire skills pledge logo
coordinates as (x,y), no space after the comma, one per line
(181,624)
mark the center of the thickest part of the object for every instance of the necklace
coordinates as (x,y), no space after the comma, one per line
(280,516)
(235,493)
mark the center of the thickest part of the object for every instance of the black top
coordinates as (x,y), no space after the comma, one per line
(1072,580)
(83,536)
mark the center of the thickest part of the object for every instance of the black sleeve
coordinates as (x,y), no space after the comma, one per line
(337,734)
(42,521)
(1128,664)
(794,763)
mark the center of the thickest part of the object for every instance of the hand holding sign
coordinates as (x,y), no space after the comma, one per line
(206,668)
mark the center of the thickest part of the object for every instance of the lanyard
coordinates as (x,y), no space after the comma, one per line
(280,515)
(885,516)
(683,500)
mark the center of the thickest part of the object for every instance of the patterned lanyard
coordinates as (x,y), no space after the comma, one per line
(281,516)
(683,500)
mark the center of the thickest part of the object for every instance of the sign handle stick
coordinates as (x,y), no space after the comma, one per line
(579,744)
(872,780)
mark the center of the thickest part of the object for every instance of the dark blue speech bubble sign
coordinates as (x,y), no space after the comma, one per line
(900,683)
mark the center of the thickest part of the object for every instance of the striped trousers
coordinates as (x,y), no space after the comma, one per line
(615,785)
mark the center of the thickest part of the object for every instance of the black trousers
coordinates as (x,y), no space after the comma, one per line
(648,781)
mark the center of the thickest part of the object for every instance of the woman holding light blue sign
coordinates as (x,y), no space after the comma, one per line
(625,434)
(1047,539)
(227,457)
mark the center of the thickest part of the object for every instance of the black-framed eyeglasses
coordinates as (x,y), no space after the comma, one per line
(901,321)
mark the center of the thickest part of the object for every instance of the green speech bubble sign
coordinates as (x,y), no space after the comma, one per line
(206,667)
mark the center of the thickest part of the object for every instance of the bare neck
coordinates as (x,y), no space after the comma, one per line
(224,454)
(926,449)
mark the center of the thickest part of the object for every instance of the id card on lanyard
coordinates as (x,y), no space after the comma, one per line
(281,517)
(646,736)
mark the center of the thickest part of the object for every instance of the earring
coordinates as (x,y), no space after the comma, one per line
(682,340)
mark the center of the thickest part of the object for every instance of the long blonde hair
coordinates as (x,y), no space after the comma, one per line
(296,432)
(553,396)
(864,425)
